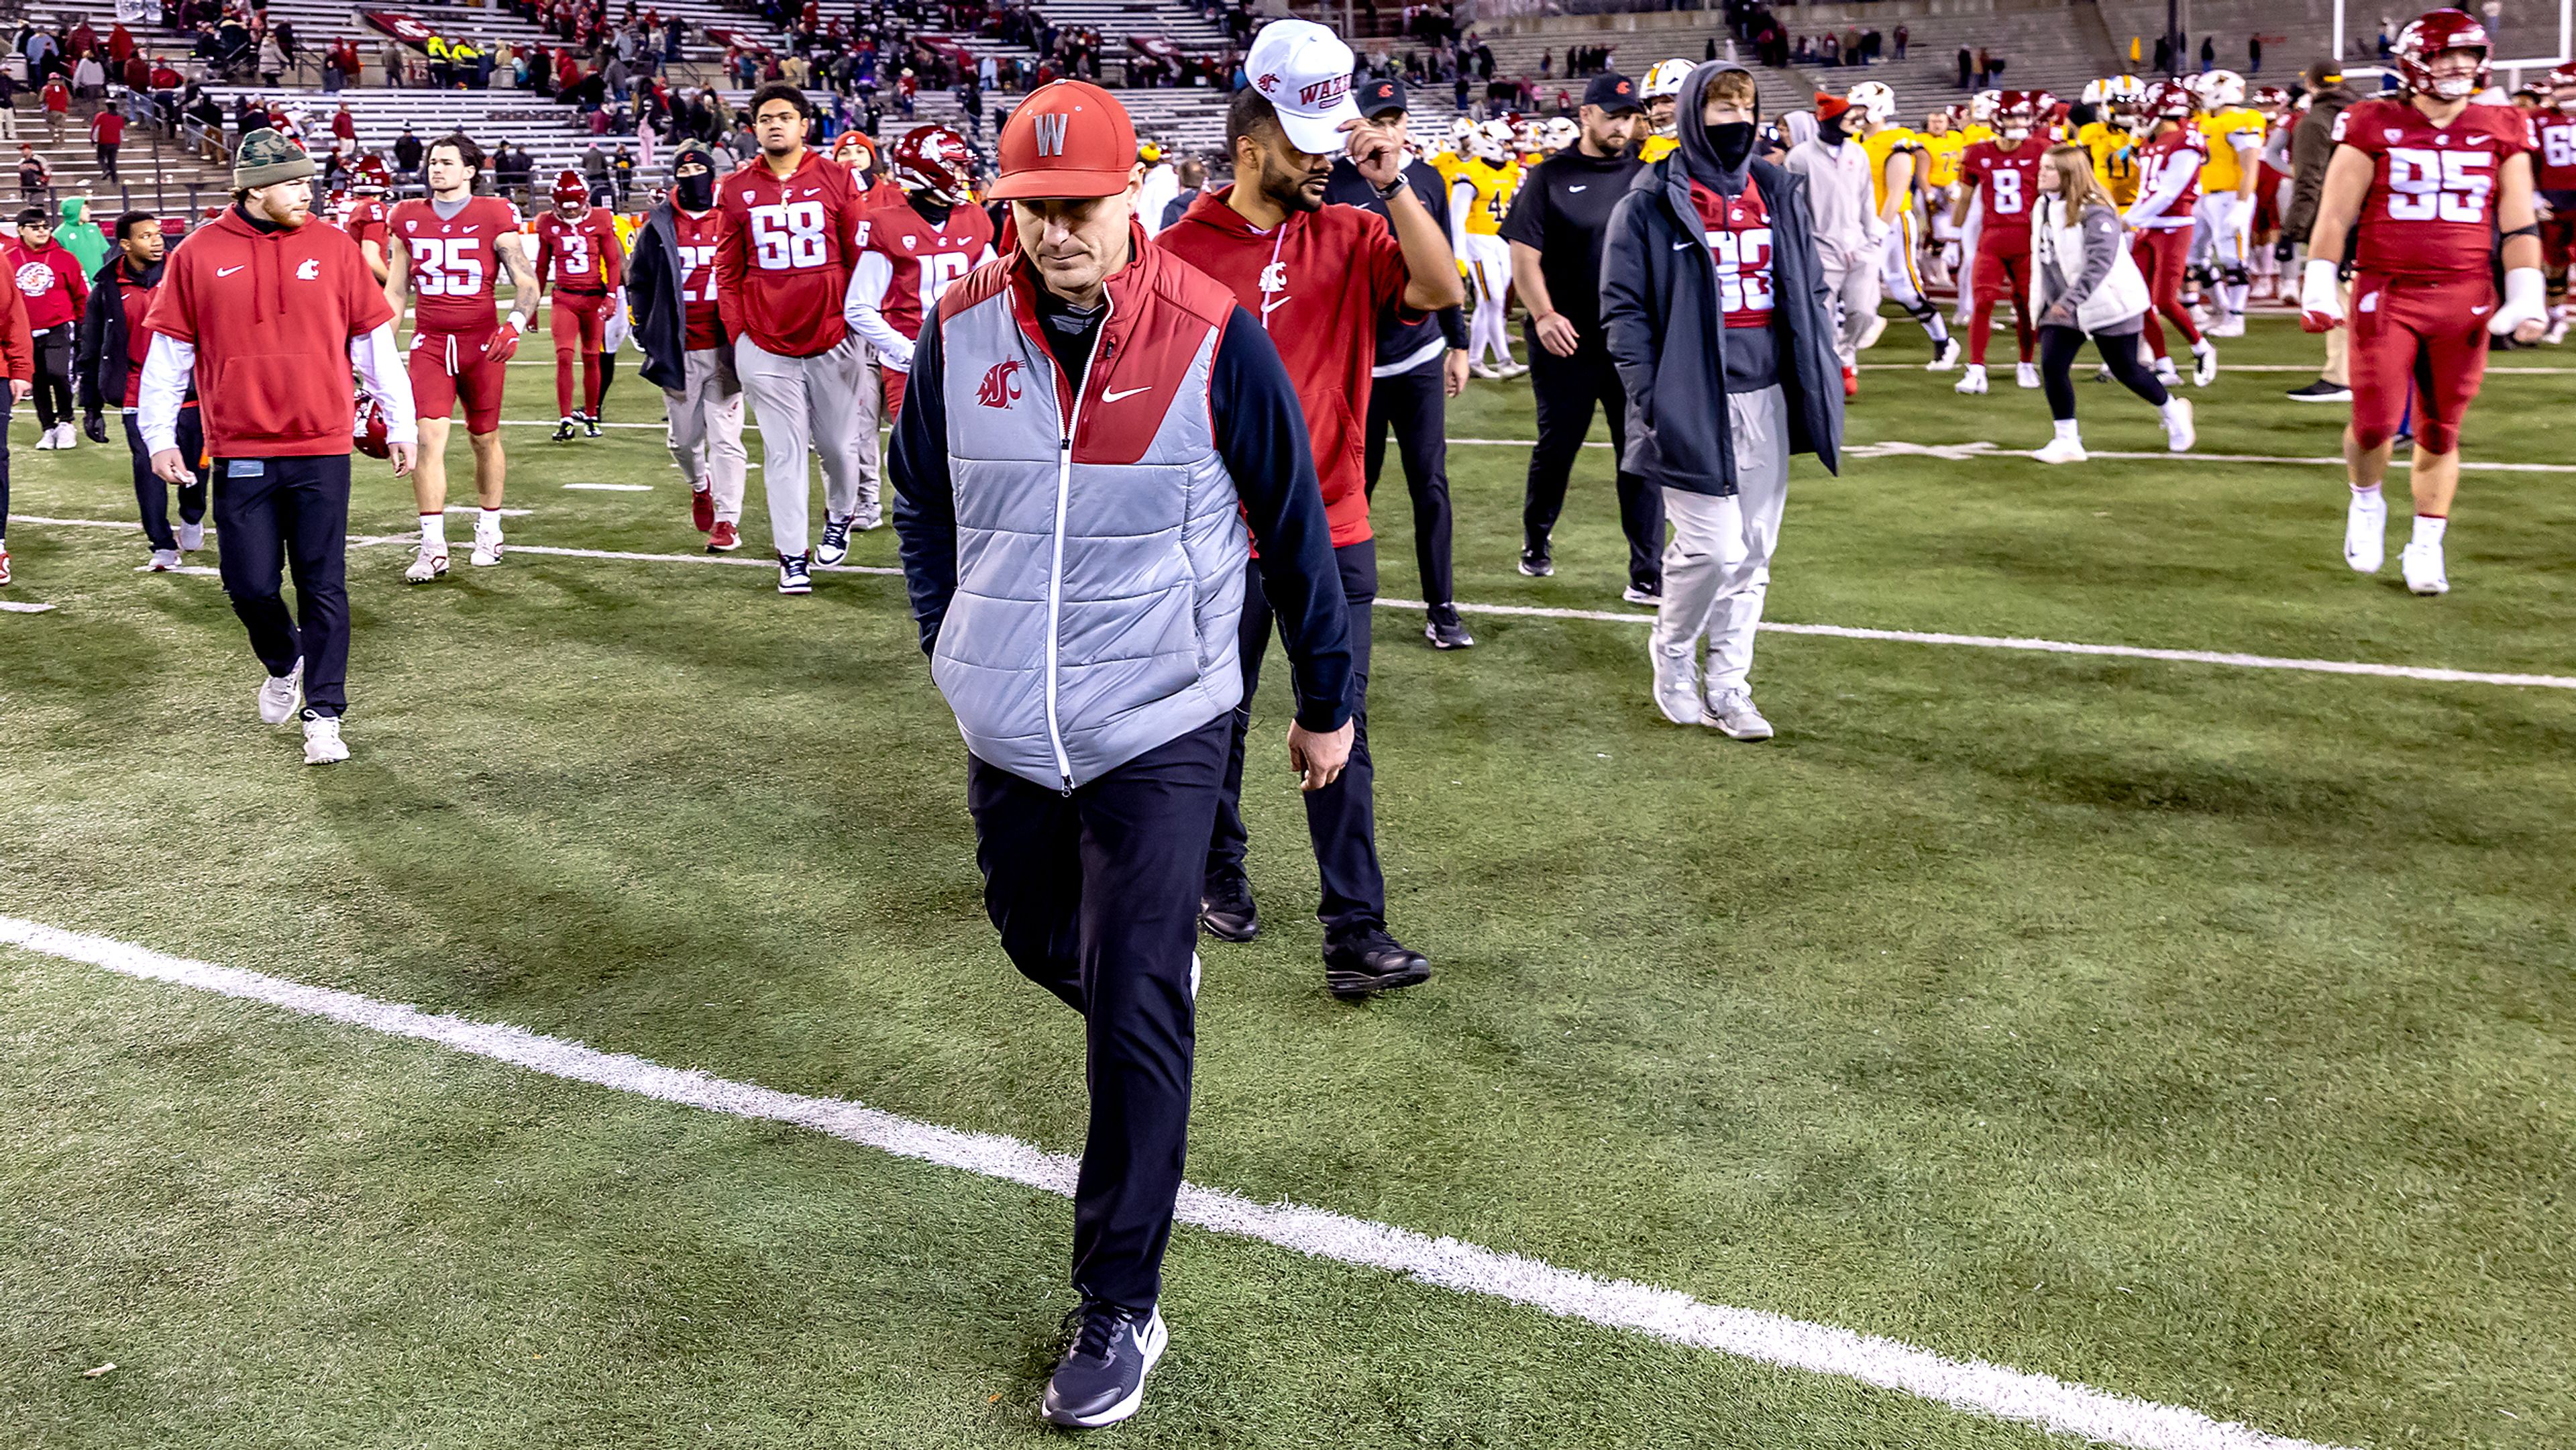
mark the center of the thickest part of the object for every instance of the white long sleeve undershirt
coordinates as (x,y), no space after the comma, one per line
(864,310)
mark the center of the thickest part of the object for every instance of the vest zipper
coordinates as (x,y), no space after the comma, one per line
(1055,575)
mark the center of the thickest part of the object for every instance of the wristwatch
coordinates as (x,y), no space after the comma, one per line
(1388,191)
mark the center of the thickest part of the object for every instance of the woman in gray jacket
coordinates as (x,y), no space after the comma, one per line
(2083,284)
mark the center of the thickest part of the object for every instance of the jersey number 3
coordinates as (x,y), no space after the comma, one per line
(2449,186)
(790,236)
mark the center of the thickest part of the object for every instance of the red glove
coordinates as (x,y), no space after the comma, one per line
(504,344)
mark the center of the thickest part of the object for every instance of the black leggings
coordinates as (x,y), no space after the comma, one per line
(53,347)
(2057,348)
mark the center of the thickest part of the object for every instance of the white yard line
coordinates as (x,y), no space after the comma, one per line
(13,606)
(1980,448)
(1974,1386)
(612,487)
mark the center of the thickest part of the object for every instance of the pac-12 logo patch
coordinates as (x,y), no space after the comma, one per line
(1001,385)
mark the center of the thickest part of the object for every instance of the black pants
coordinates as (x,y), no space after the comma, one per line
(2057,347)
(107,162)
(7,405)
(152,492)
(1567,388)
(1416,405)
(275,513)
(1341,819)
(54,375)
(1096,895)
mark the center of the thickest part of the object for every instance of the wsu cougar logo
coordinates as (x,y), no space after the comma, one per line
(1001,385)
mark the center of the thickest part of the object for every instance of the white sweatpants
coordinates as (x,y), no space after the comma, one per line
(801,402)
(706,434)
(1489,278)
(1717,568)
(1851,275)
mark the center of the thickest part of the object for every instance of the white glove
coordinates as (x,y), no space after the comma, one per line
(2321,296)
(2526,299)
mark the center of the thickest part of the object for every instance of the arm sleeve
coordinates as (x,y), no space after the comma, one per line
(925,506)
(864,310)
(1261,434)
(1458,205)
(1631,316)
(2176,169)
(166,370)
(1453,320)
(380,366)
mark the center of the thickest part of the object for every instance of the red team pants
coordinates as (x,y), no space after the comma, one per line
(579,318)
(448,366)
(2160,253)
(1999,275)
(894,382)
(2430,334)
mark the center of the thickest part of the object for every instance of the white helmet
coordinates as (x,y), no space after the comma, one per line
(1491,142)
(2122,95)
(1664,78)
(1461,127)
(2221,90)
(1983,105)
(1874,100)
(1561,133)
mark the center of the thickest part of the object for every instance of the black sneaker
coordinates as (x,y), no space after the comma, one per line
(1536,563)
(1650,593)
(564,430)
(2320,391)
(1228,913)
(1101,1379)
(589,426)
(1371,961)
(1446,630)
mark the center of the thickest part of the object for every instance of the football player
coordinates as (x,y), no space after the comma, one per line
(2223,221)
(1943,143)
(2169,167)
(1896,171)
(2432,187)
(1661,91)
(2001,179)
(447,254)
(2553,129)
(2111,138)
(580,262)
(912,249)
(365,218)
(1480,196)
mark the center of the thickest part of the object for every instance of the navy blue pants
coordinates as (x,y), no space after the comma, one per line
(1096,895)
(6,406)
(1416,405)
(152,491)
(1566,390)
(1341,819)
(281,513)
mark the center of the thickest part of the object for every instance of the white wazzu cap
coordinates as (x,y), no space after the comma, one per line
(1305,71)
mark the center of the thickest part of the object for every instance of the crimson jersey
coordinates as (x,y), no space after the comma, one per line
(2553,139)
(580,254)
(454,262)
(2007,186)
(784,258)
(2180,149)
(1738,231)
(698,236)
(2430,211)
(905,262)
(364,221)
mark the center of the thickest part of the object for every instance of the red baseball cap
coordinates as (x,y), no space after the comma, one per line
(1068,139)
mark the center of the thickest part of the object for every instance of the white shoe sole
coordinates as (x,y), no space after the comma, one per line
(316,753)
(1126,1408)
(1730,732)
(438,570)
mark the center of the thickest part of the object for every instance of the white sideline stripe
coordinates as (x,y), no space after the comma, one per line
(613,487)
(2238,660)
(1972,451)
(2062,1406)
(12,606)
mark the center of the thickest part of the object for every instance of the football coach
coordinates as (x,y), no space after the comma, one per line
(1092,425)
(270,313)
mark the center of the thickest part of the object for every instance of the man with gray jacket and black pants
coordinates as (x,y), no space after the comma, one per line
(1710,283)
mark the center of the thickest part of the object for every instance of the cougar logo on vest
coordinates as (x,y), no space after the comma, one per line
(1050,132)
(1001,385)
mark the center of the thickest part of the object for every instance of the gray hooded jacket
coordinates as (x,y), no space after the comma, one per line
(1661,318)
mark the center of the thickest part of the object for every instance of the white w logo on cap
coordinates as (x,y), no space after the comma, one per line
(1050,131)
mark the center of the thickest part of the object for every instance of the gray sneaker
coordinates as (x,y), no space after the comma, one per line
(1676,687)
(1731,713)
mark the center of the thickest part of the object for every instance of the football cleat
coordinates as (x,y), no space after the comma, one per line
(2204,363)
(724,538)
(1510,370)
(2026,374)
(1971,382)
(564,430)
(2061,449)
(1732,715)
(2179,432)
(836,540)
(702,508)
(589,426)
(2165,373)
(1944,357)
(279,695)
(1474,369)
(425,566)
(795,576)
(2365,533)
(4,566)
(164,560)
(2226,324)
(322,742)
(487,549)
(2421,563)
(1851,382)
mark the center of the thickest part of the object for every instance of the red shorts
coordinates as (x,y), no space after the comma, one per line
(2558,240)
(447,366)
(581,316)
(2427,334)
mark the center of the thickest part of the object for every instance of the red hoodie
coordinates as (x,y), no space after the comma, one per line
(50,280)
(1318,283)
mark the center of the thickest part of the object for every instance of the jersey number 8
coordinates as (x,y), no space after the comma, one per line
(2007,191)
(788,236)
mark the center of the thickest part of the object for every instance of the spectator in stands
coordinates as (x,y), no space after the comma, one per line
(407,155)
(2253,54)
(2208,55)
(1967,65)
(34,177)
(1901,36)
(57,100)
(391,58)
(107,132)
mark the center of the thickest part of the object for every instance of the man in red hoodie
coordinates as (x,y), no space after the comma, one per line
(1319,278)
(18,360)
(271,313)
(49,277)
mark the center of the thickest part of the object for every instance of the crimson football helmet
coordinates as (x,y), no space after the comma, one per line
(2172,101)
(933,162)
(2015,113)
(2430,35)
(371,174)
(368,433)
(2562,85)
(569,193)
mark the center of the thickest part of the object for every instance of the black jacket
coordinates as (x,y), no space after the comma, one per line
(653,286)
(1660,315)
(100,354)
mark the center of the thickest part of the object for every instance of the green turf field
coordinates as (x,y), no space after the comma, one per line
(2204,1034)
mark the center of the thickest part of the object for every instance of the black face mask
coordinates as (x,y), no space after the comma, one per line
(1733,142)
(695,193)
(1830,131)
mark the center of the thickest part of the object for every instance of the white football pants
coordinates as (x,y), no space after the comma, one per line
(1489,277)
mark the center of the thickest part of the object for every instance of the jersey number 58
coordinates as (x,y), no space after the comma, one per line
(789,236)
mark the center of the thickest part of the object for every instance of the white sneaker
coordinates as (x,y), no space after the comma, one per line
(322,742)
(192,537)
(2026,374)
(2365,533)
(71,437)
(1732,715)
(164,560)
(2204,363)
(45,439)
(1511,370)
(871,516)
(2229,324)
(1676,687)
(1944,357)
(2421,563)
(1869,335)
(2061,449)
(2165,373)
(425,566)
(1971,381)
(1480,370)
(281,695)
(487,549)
(2179,432)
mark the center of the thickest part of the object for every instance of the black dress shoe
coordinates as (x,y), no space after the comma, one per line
(1230,916)
(1446,630)
(1536,563)
(1371,961)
